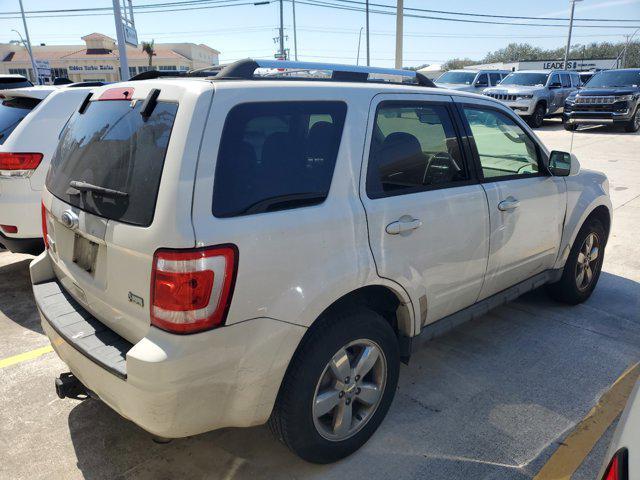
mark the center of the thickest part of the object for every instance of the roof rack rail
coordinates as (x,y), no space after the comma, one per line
(245,69)
(152,74)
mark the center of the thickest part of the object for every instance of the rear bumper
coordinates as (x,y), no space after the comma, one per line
(22,245)
(171,385)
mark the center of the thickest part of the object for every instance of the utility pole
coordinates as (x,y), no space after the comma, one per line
(368,51)
(295,33)
(282,54)
(399,32)
(359,38)
(566,52)
(28,45)
(624,54)
(122,46)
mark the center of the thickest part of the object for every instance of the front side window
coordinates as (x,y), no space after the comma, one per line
(555,79)
(503,147)
(276,156)
(483,79)
(414,147)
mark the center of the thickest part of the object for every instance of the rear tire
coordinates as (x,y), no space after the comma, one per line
(324,375)
(583,266)
(633,125)
(537,118)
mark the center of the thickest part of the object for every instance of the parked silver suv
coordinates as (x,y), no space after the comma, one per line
(470,80)
(536,94)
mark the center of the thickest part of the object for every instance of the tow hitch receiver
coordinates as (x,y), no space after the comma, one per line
(68,386)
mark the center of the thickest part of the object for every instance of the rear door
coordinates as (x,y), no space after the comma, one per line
(105,210)
(526,205)
(427,215)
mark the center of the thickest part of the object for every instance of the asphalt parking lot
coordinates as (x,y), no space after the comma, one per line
(498,398)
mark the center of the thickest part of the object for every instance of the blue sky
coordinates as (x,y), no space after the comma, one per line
(332,35)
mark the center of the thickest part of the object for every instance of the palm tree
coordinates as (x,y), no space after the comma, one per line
(147,47)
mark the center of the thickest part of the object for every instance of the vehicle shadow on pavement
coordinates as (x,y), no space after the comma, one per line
(488,400)
(16,297)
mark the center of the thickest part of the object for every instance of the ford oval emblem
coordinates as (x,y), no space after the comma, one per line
(69,219)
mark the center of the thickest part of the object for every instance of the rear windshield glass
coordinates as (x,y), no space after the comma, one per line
(111,146)
(14,83)
(12,111)
(276,156)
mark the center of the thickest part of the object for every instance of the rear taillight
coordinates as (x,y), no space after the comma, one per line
(18,164)
(45,234)
(9,228)
(618,468)
(191,289)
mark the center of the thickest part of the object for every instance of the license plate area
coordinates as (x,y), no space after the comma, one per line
(85,253)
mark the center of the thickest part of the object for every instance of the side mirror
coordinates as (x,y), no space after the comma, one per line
(555,85)
(563,164)
(482,84)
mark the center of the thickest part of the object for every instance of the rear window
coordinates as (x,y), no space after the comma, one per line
(112,146)
(12,111)
(276,156)
(14,83)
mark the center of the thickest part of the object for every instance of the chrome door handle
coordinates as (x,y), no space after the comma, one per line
(402,226)
(508,204)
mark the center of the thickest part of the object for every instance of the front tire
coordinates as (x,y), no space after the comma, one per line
(339,386)
(537,118)
(583,266)
(633,125)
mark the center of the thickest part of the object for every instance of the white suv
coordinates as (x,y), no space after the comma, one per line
(243,248)
(31,120)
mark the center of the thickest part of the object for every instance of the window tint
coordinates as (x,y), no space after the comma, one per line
(111,145)
(495,78)
(414,147)
(276,156)
(483,79)
(12,111)
(503,147)
(566,81)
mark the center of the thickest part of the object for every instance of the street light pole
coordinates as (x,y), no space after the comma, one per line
(122,46)
(566,52)
(295,33)
(28,44)
(368,52)
(399,32)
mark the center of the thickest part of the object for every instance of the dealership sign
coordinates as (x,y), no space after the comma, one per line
(579,65)
(91,68)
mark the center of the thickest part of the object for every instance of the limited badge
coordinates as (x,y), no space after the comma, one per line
(133,298)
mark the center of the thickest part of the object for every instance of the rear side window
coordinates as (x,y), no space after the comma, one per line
(414,148)
(12,111)
(112,146)
(495,78)
(276,156)
(566,81)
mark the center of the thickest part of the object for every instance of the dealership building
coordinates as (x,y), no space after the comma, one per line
(582,65)
(98,59)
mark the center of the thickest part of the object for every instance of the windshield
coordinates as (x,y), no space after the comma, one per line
(464,78)
(615,78)
(12,111)
(527,79)
(14,83)
(111,148)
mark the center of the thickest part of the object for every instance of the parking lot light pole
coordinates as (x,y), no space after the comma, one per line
(122,46)
(566,52)
(399,32)
(28,44)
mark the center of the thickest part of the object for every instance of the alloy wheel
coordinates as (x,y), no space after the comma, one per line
(587,261)
(349,390)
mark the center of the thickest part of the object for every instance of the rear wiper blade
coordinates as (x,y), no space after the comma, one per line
(271,203)
(88,187)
